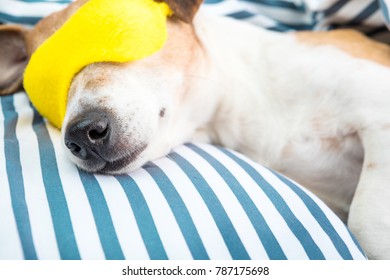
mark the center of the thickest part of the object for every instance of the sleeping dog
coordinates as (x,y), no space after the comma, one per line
(313,106)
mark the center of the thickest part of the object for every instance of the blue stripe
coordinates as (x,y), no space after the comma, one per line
(225,226)
(54,191)
(31,20)
(279,28)
(279,4)
(101,213)
(335,7)
(180,211)
(15,178)
(241,15)
(311,248)
(367,12)
(270,243)
(385,10)
(320,217)
(143,217)
(283,27)
(19,19)
(358,20)
(213,1)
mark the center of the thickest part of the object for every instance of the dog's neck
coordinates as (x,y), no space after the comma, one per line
(234,66)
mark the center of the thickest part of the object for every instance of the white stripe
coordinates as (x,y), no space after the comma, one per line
(259,19)
(201,216)
(125,224)
(301,212)
(280,14)
(338,225)
(333,219)
(38,206)
(288,16)
(167,227)
(10,245)
(229,201)
(84,227)
(56,1)
(350,10)
(262,21)
(23,9)
(289,243)
(256,250)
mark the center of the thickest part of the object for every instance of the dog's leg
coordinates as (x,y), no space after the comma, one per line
(369,217)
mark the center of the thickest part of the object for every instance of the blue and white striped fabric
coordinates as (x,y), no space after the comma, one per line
(199,202)
(369,16)
(283,15)
(28,12)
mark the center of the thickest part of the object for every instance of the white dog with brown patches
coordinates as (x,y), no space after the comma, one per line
(314,106)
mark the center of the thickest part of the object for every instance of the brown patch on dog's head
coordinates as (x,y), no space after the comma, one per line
(92,77)
(184,10)
(96,82)
(98,76)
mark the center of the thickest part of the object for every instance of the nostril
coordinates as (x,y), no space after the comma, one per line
(73,147)
(77,150)
(99,131)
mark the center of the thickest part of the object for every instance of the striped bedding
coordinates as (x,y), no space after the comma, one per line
(199,202)
(369,16)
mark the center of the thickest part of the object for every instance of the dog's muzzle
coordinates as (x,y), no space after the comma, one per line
(90,138)
(88,135)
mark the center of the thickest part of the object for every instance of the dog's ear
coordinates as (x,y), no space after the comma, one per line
(13,57)
(185,10)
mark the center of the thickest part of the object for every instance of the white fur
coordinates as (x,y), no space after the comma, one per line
(312,113)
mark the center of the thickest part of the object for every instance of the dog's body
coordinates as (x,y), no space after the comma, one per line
(315,107)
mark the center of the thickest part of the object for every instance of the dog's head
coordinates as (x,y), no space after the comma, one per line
(118,114)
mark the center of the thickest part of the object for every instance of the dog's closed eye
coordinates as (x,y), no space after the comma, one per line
(162,112)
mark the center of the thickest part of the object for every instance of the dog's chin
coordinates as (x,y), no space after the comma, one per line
(116,167)
(121,165)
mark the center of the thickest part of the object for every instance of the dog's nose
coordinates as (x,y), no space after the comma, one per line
(88,134)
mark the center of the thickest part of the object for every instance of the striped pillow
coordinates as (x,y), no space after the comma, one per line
(368,16)
(199,202)
(279,15)
(28,12)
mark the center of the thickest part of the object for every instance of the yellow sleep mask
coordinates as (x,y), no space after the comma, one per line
(100,31)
